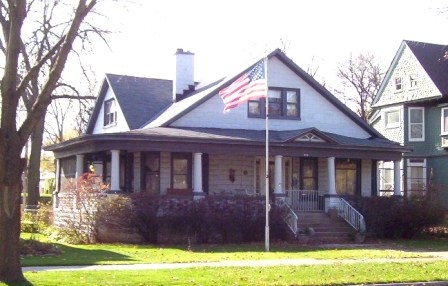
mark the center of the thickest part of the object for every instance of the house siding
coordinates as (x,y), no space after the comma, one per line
(366,178)
(121,125)
(395,133)
(407,65)
(220,165)
(137,172)
(315,110)
(165,171)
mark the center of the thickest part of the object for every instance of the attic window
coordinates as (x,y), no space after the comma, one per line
(398,84)
(110,112)
(412,81)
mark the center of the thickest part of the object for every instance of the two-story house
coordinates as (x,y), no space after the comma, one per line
(171,137)
(411,108)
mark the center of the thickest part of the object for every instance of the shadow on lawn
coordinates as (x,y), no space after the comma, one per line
(72,255)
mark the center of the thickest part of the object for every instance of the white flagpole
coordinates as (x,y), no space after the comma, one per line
(268,206)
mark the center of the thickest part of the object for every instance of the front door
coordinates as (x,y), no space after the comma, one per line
(347,177)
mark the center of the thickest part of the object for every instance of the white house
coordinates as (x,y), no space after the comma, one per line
(171,137)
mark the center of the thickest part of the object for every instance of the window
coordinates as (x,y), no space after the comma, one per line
(398,84)
(181,171)
(412,81)
(416,175)
(282,103)
(416,124)
(110,112)
(444,122)
(151,172)
(392,118)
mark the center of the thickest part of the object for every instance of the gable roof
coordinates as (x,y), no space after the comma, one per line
(432,57)
(434,60)
(181,108)
(132,95)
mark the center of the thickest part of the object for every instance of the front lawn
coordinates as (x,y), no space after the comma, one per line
(338,274)
(135,254)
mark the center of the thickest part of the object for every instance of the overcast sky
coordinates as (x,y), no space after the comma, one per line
(227,35)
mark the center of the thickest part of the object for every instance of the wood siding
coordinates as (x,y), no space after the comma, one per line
(316,111)
(121,125)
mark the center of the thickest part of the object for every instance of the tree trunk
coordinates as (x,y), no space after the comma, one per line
(11,167)
(32,199)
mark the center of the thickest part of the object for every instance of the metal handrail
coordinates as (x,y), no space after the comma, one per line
(351,215)
(291,219)
(305,200)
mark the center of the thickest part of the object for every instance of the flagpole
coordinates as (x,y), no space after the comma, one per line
(266,234)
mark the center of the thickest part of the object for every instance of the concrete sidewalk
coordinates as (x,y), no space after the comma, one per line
(431,256)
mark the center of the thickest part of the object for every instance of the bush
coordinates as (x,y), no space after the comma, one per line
(35,247)
(399,217)
(37,222)
(209,220)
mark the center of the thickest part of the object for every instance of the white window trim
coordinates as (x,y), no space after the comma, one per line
(442,121)
(409,124)
(401,84)
(393,125)
(413,78)
(416,164)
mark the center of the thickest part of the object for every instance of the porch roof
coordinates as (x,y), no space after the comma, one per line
(235,141)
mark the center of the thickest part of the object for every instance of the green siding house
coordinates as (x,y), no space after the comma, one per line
(411,108)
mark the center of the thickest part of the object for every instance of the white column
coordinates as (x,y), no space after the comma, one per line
(278,188)
(197,173)
(115,170)
(397,179)
(79,165)
(331,176)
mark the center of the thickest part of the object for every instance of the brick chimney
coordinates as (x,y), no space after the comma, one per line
(184,78)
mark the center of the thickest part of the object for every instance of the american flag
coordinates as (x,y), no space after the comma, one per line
(250,85)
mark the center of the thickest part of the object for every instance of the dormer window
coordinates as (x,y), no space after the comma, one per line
(412,81)
(110,112)
(398,84)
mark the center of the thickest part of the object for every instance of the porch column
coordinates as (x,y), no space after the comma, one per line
(79,165)
(115,171)
(278,188)
(397,178)
(331,198)
(197,175)
(331,176)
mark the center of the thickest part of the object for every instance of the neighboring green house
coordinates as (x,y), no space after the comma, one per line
(411,108)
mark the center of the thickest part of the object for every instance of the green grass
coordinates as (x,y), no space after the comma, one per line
(134,254)
(338,274)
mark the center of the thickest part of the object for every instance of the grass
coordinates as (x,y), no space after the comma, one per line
(338,274)
(134,254)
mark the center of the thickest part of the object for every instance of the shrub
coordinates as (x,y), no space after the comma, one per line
(35,247)
(399,217)
(81,200)
(37,222)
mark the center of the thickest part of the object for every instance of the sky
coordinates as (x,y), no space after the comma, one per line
(227,36)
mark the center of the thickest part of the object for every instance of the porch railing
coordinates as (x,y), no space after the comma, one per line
(351,215)
(305,200)
(291,219)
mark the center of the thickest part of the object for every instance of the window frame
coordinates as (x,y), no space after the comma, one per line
(413,81)
(416,163)
(182,156)
(442,121)
(422,138)
(110,118)
(394,124)
(398,83)
(284,105)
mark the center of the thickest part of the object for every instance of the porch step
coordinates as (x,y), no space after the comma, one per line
(319,227)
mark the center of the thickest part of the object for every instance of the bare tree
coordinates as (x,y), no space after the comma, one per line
(42,39)
(363,76)
(16,18)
